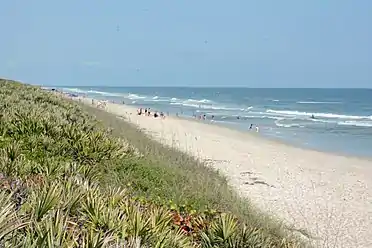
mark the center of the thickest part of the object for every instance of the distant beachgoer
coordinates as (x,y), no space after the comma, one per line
(257,129)
(204,117)
(145,111)
(238,117)
(156,114)
(250,127)
(312,117)
(162,115)
(92,101)
(123,102)
(212,117)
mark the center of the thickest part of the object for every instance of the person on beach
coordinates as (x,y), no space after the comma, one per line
(257,129)
(162,115)
(156,115)
(251,126)
(145,111)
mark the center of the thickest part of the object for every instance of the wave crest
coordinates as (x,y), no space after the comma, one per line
(323,115)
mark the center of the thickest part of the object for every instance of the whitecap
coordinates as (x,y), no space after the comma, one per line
(135,96)
(199,101)
(278,124)
(204,106)
(355,123)
(314,102)
(75,90)
(317,115)
(103,93)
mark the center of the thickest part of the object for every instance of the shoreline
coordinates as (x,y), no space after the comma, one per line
(326,194)
(276,140)
(328,136)
(264,134)
(254,134)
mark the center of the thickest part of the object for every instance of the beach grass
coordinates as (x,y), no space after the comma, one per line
(76,176)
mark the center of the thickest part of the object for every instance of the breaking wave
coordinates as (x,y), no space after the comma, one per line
(355,123)
(313,102)
(317,115)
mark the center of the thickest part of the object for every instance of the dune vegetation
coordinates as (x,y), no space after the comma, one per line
(75,176)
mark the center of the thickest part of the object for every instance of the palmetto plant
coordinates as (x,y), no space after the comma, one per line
(9,220)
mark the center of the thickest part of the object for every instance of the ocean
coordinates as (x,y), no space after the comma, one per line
(332,120)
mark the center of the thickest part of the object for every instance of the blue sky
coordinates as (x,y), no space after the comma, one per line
(274,43)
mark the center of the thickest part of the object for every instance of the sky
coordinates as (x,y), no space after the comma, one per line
(247,43)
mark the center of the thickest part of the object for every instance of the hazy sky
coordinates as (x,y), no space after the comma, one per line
(298,43)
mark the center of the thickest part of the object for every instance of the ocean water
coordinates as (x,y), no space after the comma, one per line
(342,123)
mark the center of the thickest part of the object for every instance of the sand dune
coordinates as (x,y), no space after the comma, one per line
(329,195)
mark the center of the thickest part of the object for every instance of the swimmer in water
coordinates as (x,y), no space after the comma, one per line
(312,117)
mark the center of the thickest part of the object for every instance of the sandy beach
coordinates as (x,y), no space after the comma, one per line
(328,195)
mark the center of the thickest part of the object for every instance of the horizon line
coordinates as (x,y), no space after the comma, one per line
(203,87)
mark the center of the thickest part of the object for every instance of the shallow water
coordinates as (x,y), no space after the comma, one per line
(342,120)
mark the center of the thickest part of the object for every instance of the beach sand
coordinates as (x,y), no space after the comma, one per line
(328,195)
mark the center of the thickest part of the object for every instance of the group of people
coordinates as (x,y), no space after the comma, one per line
(201,117)
(156,114)
(147,112)
(204,117)
(99,104)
